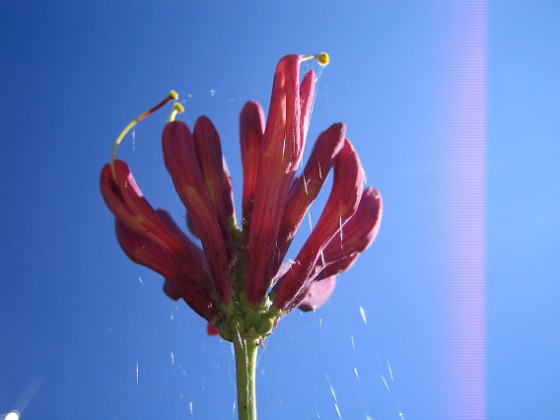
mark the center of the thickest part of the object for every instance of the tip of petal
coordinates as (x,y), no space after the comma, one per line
(211,329)
(318,294)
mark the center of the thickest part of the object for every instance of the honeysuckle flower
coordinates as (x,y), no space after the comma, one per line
(238,279)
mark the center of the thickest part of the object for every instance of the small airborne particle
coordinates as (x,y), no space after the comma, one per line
(12,415)
(363,313)
(390,371)
(385,383)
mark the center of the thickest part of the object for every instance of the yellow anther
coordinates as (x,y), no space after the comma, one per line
(177,108)
(322,58)
(173,96)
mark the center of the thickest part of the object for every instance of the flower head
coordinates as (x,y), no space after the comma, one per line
(238,280)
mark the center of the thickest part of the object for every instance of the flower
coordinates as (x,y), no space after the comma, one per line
(238,280)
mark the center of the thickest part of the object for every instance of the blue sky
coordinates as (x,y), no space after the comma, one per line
(86,333)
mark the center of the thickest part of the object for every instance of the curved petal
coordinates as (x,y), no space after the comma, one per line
(211,329)
(227,193)
(144,251)
(251,131)
(181,161)
(178,282)
(341,205)
(306,187)
(210,159)
(127,203)
(307,94)
(317,294)
(171,290)
(357,235)
(281,153)
(193,258)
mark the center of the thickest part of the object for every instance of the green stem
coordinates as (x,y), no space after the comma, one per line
(245,367)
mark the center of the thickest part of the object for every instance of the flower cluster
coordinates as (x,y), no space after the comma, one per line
(238,279)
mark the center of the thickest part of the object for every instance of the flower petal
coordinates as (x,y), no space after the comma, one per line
(210,159)
(251,131)
(307,93)
(191,261)
(127,203)
(171,290)
(144,251)
(181,161)
(211,329)
(281,153)
(306,187)
(357,235)
(227,193)
(317,294)
(341,205)
(179,282)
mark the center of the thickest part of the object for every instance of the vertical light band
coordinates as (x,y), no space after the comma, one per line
(464,212)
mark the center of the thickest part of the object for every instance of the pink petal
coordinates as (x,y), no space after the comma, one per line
(332,268)
(278,163)
(307,93)
(227,193)
(144,251)
(251,130)
(357,235)
(209,154)
(306,187)
(360,231)
(317,294)
(171,290)
(341,205)
(181,161)
(211,329)
(191,261)
(127,203)
(179,282)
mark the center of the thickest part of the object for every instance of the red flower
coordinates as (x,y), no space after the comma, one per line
(238,281)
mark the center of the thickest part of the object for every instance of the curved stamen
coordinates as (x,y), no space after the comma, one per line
(173,96)
(177,108)
(322,58)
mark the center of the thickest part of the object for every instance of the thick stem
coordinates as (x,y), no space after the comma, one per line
(245,367)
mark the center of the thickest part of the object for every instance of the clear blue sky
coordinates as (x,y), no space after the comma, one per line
(85,333)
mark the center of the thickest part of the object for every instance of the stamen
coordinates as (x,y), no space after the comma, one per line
(322,58)
(173,96)
(177,108)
